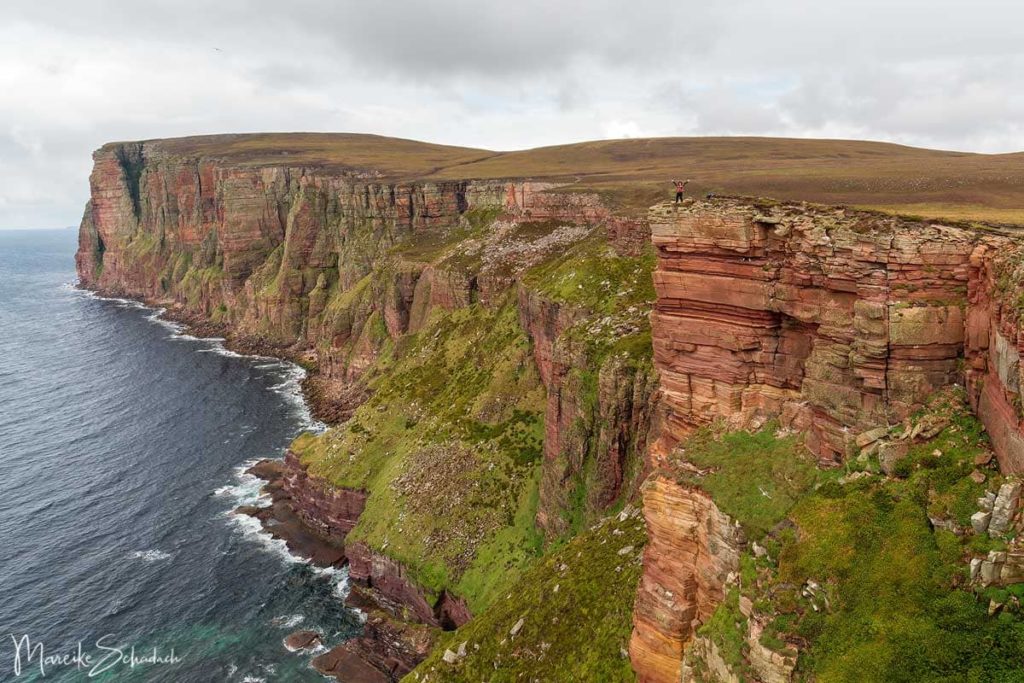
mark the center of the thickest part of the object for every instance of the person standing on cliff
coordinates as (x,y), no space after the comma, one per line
(680,188)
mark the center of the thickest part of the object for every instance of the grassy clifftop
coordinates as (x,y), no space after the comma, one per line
(634,173)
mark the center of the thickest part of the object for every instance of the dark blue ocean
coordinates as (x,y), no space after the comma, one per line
(122,450)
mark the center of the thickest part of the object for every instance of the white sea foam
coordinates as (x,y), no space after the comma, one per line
(150,555)
(247,489)
(338,576)
(252,530)
(313,649)
(288,620)
(290,388)
(220,350)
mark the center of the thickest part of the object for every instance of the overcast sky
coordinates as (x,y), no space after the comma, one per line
(77,73)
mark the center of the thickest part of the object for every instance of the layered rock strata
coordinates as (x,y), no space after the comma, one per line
(330,510)
(693,548)
(993,346)
(263,247)
(540,201)
(838,323)
(835,321)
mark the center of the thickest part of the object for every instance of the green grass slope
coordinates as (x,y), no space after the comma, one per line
(892,601)
(449,448)
(568,618)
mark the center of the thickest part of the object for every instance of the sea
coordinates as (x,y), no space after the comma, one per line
(123,448)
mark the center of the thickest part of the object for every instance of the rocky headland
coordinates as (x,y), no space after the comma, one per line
(517,369)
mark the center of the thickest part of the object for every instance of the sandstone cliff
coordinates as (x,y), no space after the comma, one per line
(453,324)
(830,323)
(503,373)
(836,321)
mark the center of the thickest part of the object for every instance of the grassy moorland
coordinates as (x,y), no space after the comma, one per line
(633,173)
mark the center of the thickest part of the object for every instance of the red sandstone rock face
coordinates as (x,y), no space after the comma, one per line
(388,578)
(692,549)
(276,238)
(993,346)
(834,321)
(330,510)
(610,433)
(542,201)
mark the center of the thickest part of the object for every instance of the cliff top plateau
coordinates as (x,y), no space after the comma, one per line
(633,173)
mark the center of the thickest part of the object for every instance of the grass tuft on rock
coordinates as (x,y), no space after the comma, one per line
(754,477)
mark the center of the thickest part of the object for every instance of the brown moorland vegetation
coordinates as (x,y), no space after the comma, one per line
(633,173)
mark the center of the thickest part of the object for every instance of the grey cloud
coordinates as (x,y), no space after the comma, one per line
(443,38)
(723,110)
(933,104)
(502,75)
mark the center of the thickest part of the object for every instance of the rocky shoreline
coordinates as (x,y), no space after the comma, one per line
(329,402)
(390,647)
(280,521)
(392,644)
